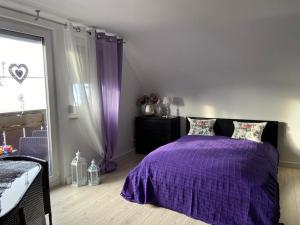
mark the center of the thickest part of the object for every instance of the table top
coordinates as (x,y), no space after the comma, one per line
(15,179)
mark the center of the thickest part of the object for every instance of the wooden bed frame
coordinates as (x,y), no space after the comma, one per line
(225,127)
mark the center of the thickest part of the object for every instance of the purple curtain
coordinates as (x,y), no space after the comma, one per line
(109,53)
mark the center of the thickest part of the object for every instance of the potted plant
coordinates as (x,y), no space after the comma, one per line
(147,104)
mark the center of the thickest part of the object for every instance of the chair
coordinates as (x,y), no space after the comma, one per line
(39,133)
(34,146)
(45,178)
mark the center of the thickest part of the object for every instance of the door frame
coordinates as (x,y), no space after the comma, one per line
(47,35)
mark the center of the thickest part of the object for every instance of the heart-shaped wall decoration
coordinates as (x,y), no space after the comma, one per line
(18,72)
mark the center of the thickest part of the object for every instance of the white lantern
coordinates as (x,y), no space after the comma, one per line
(93,174)
(79,171)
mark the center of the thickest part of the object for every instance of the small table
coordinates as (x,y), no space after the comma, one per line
(21,195)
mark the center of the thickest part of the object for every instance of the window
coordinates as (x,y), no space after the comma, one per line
(24,99)
(22,75)
(77,93)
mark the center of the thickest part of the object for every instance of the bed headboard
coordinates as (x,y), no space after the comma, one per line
(225,127)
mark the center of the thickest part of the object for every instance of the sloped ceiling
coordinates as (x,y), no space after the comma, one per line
(171,43)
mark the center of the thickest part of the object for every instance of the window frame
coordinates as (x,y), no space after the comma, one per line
(47,35)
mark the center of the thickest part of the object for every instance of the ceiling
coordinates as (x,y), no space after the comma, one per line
(138,15)
(213,41)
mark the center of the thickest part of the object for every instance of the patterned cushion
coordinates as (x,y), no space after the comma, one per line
(248,131)
(201,127)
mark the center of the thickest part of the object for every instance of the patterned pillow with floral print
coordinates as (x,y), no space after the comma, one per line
(248,131)
(202,127)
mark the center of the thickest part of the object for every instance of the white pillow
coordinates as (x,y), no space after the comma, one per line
(248,131)
(202,127)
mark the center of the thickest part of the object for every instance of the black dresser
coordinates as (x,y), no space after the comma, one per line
(153,132)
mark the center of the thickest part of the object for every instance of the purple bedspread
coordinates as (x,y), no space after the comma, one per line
(218,180)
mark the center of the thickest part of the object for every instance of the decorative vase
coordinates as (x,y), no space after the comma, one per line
(148,109)
(158,110)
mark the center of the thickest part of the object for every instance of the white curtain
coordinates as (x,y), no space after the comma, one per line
(84,93)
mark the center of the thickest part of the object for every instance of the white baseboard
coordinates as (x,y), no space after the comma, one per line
(54,183)
(118,158)
(289,164)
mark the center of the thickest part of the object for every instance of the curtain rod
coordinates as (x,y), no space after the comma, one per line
(36,17)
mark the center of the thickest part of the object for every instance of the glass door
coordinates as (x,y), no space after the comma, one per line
(25,103)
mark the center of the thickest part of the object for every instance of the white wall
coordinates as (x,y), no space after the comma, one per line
(249,102)
(131,90)
(247,69)
(234,62)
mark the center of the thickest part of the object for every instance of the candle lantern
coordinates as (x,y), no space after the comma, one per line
(93,174)
(79,171)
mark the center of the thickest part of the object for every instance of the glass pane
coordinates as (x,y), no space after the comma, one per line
(23,96)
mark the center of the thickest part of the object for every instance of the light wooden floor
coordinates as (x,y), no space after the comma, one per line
(103,205)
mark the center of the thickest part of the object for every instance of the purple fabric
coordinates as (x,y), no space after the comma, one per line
(109,53)
(218,180)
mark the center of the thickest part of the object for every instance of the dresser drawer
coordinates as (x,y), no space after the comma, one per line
(151,133)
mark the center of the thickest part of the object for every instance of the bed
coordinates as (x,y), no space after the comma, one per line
(215,179)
